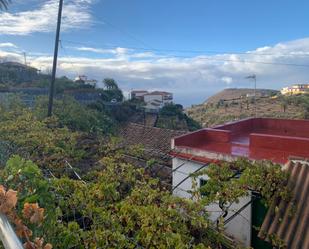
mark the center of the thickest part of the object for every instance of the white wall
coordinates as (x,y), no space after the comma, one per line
(150,98)
(151,106)
(239,227)
(139,94)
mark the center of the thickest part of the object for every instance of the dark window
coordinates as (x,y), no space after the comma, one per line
(203,182)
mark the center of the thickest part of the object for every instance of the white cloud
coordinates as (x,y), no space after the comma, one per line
(76,14)
(227,80)
(96,50)
(7,45)
(191,79)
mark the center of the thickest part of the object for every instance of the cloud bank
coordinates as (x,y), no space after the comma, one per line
(76,14)
(192,79)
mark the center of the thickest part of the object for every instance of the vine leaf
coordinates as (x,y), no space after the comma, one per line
(33,212)
(8,200)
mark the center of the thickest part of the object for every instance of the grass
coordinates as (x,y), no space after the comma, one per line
(209,115)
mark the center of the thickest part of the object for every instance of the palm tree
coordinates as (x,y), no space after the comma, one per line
(4,4)
(110,84)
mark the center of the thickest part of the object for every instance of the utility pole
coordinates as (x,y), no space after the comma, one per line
(53,78)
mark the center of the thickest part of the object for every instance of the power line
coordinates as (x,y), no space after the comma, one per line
(66,54)
(125,32)
(213,52)
(217,59)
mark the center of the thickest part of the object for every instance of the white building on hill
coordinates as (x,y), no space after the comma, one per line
(84,78)
(154,100)
(295,89)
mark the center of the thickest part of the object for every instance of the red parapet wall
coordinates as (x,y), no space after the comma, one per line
(293,128)
(254,138)
(297,146)
(198,138)
(237,127)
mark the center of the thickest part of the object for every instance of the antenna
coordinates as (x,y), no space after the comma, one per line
(253,76)
(25,58)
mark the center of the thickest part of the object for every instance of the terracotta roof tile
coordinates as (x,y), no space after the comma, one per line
(152,138)
(289,225)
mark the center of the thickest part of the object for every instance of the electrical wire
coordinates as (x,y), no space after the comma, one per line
(214,59)
(212,52)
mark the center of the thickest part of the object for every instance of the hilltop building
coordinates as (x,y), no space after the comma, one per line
(285,142)
(154,100)
(138,94)
(295,89)
(85,80)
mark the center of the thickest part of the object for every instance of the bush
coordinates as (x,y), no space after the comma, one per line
(76,116)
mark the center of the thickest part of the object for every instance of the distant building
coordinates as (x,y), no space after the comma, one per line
(85,80)
(154,105)
(154,100)
(138,94)
(164,97)
(295,89)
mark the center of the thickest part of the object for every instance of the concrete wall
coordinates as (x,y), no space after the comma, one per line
(240,227)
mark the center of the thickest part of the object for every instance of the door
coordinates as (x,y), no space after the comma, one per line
(258,214)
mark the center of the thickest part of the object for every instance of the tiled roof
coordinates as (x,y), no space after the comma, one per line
(152,138)
(291,226)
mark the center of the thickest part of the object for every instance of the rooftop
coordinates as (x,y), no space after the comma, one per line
(153,139)
(254,138)
(159,93)
(139,91)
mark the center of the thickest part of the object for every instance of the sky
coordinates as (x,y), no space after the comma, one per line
(193,48)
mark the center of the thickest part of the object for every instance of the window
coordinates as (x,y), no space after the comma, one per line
(203,182)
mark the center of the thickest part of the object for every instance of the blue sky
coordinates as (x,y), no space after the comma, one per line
(193,48)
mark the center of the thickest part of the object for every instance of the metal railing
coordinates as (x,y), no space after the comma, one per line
(7,234)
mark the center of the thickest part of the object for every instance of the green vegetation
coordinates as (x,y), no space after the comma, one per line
(290,107)
(61,84)
(112,91)
(172,117)
(301,101)
(115,205)
(78,117)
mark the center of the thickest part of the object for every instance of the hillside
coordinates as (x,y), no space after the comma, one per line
(210,114)
(236,93)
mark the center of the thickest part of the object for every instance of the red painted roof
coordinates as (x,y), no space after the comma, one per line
(254,138)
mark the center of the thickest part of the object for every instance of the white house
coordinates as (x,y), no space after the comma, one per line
(84,78)
(154,105)
(239,227)
(163,97)
(257,139)
(295,89)
(154,100)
